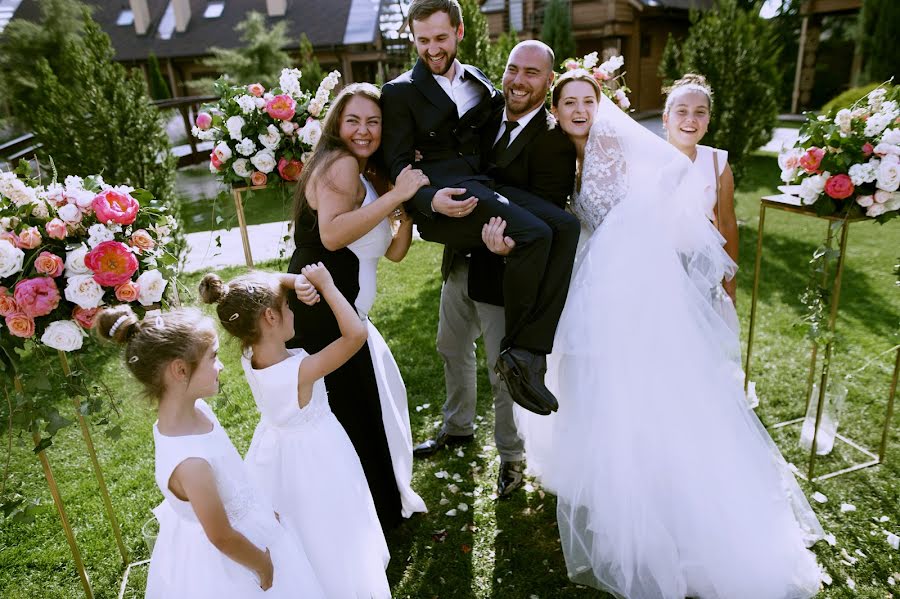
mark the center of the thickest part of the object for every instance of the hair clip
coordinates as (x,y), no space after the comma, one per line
(234,317)
(117,324)
(251,288)
(159,322)
(133,359)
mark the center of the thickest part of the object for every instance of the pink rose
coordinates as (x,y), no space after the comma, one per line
(215,161)
(256,89)
(290,169)
(142,241)
(36,297)
(56,229)
(571,65)
(127,291)
(30,238)
(867,149)
(7,303)
(115,206)
(839,187)
(20,325)
(49,264)
(258,178)
(281,107)
(204,120)
(812,159)
(112,263)
(84,316)
(600,74)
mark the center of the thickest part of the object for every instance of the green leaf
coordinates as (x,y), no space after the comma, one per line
(43,444)
(114,433)
(56,422)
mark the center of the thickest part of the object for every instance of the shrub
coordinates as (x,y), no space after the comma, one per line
(849,97)
(557,30)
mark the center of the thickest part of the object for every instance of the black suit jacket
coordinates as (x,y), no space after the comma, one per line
(540,160)
(417,114)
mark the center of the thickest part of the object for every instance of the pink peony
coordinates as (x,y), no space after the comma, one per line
(112,263)
(258,178)
(20,325)
(839,187)
(256,89)
(204,120)
(812,159)
(867,149)
(142,241)
(115,206)
(56,229)
(127,291)
(29,238)
(36,297)
(84,316)
(281,107)
(7,303)
(49,264)
(290,169)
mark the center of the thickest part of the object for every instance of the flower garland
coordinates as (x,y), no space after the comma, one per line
(612,85)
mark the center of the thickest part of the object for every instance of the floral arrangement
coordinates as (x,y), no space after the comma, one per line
(848,161)
(67,249)
(264,136)
(612,85)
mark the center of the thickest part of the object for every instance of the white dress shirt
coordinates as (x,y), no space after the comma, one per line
(465,93)
(523,122)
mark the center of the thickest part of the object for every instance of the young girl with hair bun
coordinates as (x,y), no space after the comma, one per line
(218,536)
(300,454)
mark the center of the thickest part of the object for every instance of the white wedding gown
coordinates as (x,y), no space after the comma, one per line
(668,485)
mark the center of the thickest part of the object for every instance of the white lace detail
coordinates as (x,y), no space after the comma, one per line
(238,497)
(603,183)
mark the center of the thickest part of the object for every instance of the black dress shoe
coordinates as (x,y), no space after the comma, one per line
(510,478)
(431,446)
(523,372)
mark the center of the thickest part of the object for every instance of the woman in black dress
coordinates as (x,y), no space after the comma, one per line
(341,221)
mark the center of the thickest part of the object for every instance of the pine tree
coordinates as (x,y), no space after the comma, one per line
(159,89)
(670,64)
(880,21)
(557,30)
(499,54)
(310,69)
(475,47)
(261,56)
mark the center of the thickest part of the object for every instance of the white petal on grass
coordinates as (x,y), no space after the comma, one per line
(453,488)
(817,496)
(460,454)
(441,474)
(463,507)
(850,584)
(451,513)
(893,540)
(848,507)
(883,519)
(444,501)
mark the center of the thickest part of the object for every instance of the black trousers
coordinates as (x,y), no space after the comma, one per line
(538,270)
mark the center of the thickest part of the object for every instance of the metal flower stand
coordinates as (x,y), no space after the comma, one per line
(790,204)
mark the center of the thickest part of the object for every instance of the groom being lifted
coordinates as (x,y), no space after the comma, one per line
(442,109)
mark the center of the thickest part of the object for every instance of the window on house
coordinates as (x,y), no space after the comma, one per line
(167,23)
(214,9)
(126,17)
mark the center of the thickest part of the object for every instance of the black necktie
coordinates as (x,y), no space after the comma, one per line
(503,143)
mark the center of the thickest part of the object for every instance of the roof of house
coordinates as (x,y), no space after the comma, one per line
(325,22)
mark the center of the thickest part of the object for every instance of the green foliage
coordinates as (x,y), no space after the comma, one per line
(499,53)
(159,88)
(787,23)
(56,38)
(670,63)
(475,47)
(108,126)
(848,98)
(261,56)
(310,69)
(738,53)
(880,21)
(557,30)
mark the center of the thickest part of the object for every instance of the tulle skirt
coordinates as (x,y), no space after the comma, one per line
(668,485)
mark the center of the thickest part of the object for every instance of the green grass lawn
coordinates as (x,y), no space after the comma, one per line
(260,206)
(508,549)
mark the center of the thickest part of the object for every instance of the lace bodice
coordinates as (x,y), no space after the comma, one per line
(232,479)
(603,176)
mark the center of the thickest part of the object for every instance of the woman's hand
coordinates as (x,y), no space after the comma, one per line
(266,572)
(409,181)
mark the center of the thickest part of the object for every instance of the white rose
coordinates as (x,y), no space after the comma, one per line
(234,124)
(246,147)
(311,133)
(812,187)
(622,100)
(876,210)
(84,291)
(863,173)
(264,161)
(73,182)
(891,136)
(843,120)
(888,173)
(11,258)
(223,152)
(591,60)
(152,286)
(64,335)
(75,262)
(885,148)
(83,198)
(70,213)
(884,197)
(53,194)
(271,138)
(260,103)
(241,167)
(877,123)
(98,234)
(865,201)
(288,127)
(247,103)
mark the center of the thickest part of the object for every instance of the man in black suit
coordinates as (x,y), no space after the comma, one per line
(539,158)
(442,108)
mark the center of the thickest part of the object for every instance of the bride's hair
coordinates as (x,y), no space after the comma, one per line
(570,76)
(688,82)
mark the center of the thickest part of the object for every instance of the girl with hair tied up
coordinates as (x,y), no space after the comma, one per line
(300,455)
(218,536)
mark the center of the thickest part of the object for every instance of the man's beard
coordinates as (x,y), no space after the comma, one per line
(451,58)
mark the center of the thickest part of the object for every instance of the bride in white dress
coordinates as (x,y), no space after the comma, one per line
(668,485)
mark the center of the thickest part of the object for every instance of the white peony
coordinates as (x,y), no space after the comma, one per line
(311,133)
(84,291)
(75,261)
(70,213)
(152,286)
(883,149)
(843,120)
(888,173)
(591,60)
(234,124)
(891,136)
(64,335)
(241,167)
(99,233)
(863,173)
(289,82)
(222,152)
(247,103)
(271,138)
(246,147)
(11,258)
(812,187)
(264,161)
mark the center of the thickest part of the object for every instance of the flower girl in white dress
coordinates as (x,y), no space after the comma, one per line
(300,453)
(218,536)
